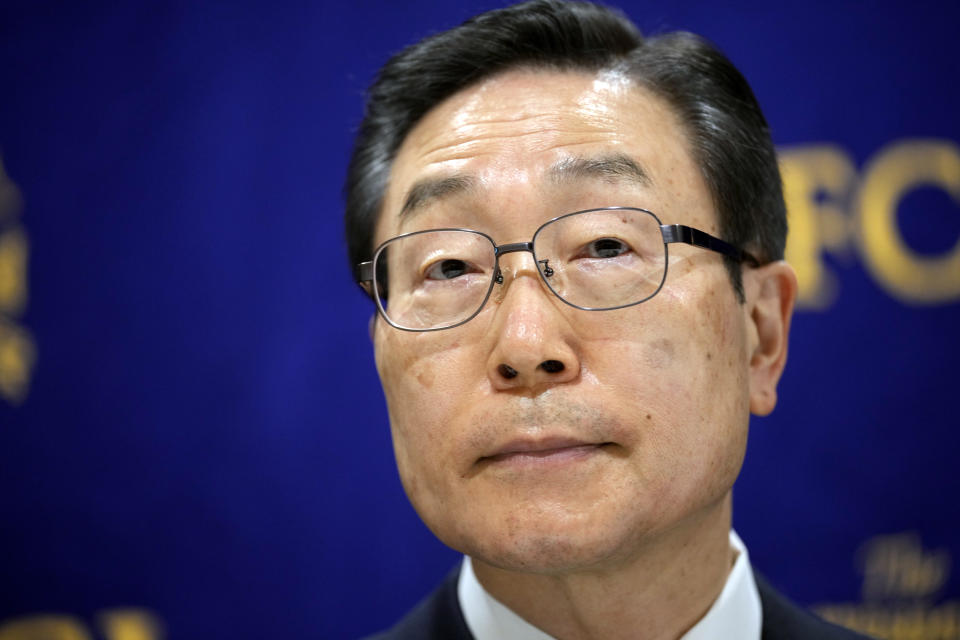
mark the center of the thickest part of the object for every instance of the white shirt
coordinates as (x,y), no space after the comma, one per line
(735,613)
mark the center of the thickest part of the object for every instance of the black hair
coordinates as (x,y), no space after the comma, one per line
(728,134)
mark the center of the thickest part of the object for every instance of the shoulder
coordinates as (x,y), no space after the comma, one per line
(784,620)
(437,616)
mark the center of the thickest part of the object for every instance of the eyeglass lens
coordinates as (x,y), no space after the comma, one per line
(593,260)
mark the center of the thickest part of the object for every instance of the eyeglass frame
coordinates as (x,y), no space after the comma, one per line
(365,275)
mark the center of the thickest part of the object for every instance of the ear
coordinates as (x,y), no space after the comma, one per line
(771,291)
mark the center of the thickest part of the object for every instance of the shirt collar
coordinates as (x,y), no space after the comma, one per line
(735,613)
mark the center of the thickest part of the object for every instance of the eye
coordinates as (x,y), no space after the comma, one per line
(606,248)
(447,270)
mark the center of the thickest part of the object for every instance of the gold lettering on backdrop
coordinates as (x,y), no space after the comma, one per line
(901,582)
(829,205)
(51,627)
(17,355)
(817,184)
(17,348)
(130,624)
(898,567)
(891,175)
(13,272)
(114,624)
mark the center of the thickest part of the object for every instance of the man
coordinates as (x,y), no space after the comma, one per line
(574,237)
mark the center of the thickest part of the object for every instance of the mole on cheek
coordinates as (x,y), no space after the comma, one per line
(425,376)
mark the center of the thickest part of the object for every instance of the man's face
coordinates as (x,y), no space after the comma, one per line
(645,426)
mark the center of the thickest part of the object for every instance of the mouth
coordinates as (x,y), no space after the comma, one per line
(549,451)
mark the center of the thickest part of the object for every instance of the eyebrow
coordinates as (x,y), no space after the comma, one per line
(425,191)
(611,168)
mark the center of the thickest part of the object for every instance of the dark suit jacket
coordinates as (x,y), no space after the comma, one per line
(438,617)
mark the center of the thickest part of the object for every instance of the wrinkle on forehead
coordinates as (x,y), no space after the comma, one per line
(473,116)
(540,133)
(509,130)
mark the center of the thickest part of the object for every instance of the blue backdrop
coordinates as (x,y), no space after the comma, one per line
(193,442)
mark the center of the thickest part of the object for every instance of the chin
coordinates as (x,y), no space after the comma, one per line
(536,544)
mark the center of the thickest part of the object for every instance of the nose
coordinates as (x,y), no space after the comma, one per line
(534,346)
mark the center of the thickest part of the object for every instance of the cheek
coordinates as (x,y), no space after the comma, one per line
(423,378)
(711,368)
(681,360)
(704,333)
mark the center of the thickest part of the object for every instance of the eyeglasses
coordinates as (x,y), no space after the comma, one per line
(594,260)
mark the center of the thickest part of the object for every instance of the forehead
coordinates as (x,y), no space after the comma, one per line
(504,141)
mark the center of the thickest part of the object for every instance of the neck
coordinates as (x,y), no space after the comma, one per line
(667,584)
